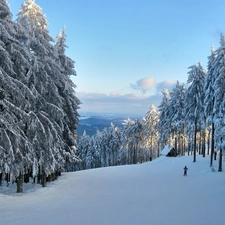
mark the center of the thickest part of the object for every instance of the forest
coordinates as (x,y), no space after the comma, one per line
(39,109)
(190,118)
(38,104)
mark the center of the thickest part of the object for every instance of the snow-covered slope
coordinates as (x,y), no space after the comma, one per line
(153,193)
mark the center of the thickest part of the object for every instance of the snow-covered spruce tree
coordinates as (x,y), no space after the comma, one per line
(194,104)
(210,97)
(151,134)
(86,151)
(83,146)
(105,151)
(111,140)
(90,156)
(176,116)
(67,90)
(164,121)
(133,139)
(40,80)
(115,143)
(47,81)
(16,99)
(127,144)
(97,148)
(101,149)
(219,104)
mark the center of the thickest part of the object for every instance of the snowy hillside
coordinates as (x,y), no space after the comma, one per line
(153,193)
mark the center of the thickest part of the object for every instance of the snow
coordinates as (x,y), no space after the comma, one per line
(154,193)
(166,150)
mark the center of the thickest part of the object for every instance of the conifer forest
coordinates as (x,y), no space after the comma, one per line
(39,109)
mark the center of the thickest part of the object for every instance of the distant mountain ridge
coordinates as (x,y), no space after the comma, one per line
(91,124)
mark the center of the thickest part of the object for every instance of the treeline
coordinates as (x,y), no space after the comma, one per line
(191,118)
(38,105)
(137,142)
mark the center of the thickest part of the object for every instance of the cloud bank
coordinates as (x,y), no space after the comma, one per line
(143,93)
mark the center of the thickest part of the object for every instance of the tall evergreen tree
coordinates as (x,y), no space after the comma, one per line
(83,146)
(133,136)
(151,135)
(126,140)
(209,100)
(176,114)
(219,104)
(16,99)
(47,80)
(164,122)
(194,103)
(114,140)
(67,90)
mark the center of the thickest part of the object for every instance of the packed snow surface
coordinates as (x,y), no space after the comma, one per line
(153,193)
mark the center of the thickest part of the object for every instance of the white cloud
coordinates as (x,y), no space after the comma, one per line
(145,84)
(150,86)
(168,84)
(114,94)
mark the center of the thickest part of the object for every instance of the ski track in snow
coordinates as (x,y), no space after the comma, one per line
(154,193)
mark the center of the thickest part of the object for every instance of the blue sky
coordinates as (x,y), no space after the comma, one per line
(127,51)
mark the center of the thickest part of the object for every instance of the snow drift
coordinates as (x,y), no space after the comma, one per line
(154,193)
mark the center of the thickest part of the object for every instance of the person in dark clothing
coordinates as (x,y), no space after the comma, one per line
(185,171)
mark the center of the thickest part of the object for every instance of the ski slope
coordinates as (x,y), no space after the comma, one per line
(153,193)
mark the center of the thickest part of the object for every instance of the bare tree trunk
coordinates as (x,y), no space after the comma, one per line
(200,144)
(135,155)
(43,180)
(20,183)
(189,148)
(0,179)
(208,143)
(195,142)
(39,175)
(215,154)
(212,145)
(175,144)
(203,143)
(27,177)
(180,145)
(7,178)
(158,150)
(220,160)
(113,157)
(130,153)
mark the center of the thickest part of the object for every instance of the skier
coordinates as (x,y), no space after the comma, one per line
(185,171)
